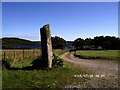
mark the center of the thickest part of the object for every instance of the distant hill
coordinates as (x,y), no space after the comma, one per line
(18,41)
(8,43)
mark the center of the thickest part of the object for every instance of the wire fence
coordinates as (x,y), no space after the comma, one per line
(20,53)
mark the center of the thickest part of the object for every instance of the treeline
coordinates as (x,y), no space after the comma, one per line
(98,43)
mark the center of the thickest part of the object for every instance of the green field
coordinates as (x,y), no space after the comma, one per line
(29,55)
(54,78)
(101,54)
(50,78)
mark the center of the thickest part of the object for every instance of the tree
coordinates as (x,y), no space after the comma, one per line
(98,42)
(106,42)
(111,43)
(79,43)
(89,44)
(58,43)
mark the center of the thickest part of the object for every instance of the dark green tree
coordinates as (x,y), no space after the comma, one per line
(79,43)
(89,44)
(98,42)
(111,43)
(58,43)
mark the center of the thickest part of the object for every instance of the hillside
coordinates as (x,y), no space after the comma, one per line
(8,43)
(17,41)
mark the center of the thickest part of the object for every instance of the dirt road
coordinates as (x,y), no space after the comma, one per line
(104,73)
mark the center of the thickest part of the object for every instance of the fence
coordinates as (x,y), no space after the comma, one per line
(22,53)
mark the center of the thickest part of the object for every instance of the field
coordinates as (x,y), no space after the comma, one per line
(101,54)
(54,78)
(22,53)
(50,78)
(19,58)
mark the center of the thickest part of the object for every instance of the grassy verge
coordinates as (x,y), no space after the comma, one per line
(102,54)
(52,78)
(26,61)
(59,52)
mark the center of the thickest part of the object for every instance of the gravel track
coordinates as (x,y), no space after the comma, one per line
(107,68)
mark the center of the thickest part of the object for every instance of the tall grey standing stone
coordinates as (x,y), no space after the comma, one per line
(46,45)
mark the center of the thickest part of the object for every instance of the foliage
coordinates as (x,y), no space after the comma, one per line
(79,43)
(57,61)
(58,43)
(101,54)
(98,43)
(88,43)
(5,64)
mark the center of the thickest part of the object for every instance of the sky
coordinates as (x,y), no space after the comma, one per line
(69,20)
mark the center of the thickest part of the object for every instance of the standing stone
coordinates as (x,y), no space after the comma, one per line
(46,46)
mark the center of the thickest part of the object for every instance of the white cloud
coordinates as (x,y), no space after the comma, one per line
(34,36)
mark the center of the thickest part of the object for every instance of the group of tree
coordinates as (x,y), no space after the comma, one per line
(58,43)
(99,42)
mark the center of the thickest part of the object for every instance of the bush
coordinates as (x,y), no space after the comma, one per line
(57,61)
(5,64)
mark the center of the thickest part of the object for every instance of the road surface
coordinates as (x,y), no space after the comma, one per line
(104,72)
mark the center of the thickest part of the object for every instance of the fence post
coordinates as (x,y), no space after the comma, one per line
(14,54)
(4,55)
(28,52)
(34,52)
(23,53)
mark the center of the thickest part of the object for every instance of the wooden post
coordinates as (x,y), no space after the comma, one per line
(28,53)
(23,53)
(4,55)
(14,54)
(46,45)
(34,52)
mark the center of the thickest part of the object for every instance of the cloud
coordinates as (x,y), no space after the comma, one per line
(29,36)
(24,36)
(56,35)
(59,36)
(34,36)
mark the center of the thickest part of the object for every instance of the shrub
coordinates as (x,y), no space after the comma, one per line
(5,64)
(57,61)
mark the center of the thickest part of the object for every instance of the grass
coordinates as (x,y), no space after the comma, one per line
(101,54)
(20,62)
(59,52)
(19,53)
(50,78)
